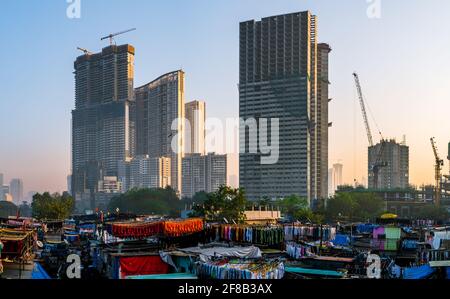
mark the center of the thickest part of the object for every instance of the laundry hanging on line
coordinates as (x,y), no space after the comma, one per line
(298,251)
(262,235)
(293,232)
(241,269)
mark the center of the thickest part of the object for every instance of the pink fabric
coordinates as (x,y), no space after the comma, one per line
(378,231)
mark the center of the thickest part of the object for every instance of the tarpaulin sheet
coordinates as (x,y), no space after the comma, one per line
(420,272)
(365,228)
(438,236)
(239,252)
(392,232)
(39,272)
(142,265)
(377,232)
(342,240)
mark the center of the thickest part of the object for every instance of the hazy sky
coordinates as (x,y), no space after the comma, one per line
(403,60)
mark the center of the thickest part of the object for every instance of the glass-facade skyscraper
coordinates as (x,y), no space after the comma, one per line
(281,77)
(102,122)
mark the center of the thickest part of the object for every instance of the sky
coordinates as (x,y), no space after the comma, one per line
(402,58)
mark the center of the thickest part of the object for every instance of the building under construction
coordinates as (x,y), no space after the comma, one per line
(395,171)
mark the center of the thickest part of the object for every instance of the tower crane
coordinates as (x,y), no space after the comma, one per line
(86,52)
(437,172)
(375,167)
(111,36)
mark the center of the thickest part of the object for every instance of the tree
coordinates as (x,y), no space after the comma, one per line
(295,207)
(432,212)
(354,206)
(226,202)
(55,207)
(341,205)
(148,201)
(368,206)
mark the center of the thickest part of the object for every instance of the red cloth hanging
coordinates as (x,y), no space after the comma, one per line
(142,265)
(148,229)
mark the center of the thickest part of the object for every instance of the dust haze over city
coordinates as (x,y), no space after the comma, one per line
(405,98)
(224,140)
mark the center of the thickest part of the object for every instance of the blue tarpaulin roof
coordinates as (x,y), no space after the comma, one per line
(342,240)
(420,272)
(365,228)
(39,272)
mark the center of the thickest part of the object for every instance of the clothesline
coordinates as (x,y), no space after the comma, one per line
(293,232)
(239,269)
(148,229)
(262,235)
(298,251)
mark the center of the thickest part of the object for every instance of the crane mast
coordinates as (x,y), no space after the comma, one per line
(378,163)
(437,172)
(363,108)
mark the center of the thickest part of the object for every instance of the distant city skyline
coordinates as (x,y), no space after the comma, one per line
(404,86)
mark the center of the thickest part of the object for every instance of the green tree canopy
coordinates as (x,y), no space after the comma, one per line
(354,206)
(147,202)
(226,202)
(432,212)
(55,206)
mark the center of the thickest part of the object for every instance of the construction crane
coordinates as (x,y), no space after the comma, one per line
(86,52)
(378,163)
(363,109)
(111,36)
(437,172)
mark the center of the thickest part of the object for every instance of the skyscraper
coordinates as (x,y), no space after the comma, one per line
(396,173)
(1,187)
(102,125)
(144,172)
(322,123)
(195,137)
(193,174)
(280,78)
(216,171)
(159,121)
(203,173)
(16,190)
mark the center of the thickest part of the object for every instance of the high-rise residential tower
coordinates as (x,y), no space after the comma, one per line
(281,77)
(203,173)
(195,114)
(159,121)
(396,173)
(1,186)
(16,190)
(144,172)
(102,125)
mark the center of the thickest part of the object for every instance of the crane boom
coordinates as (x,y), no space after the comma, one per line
(363,108)
(437,172)
(86,52)
(111,36)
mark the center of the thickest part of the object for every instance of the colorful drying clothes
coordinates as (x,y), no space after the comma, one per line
(385,244)
(408,244)
(434,255)
(147,229)
(298,251)
(261,235)
(294,232)
(241,269)
(378,232)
